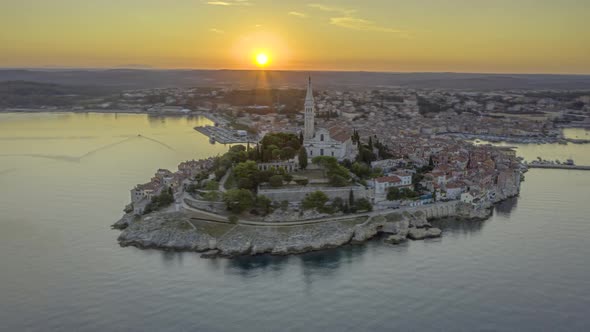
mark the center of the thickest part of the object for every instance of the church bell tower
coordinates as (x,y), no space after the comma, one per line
(309,129)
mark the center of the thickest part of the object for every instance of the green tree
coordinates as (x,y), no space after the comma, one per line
(338,181)
(238,200)
(287,153)
(263,204)
(276,181)
(219,173)
(211,196)
(365,155)
(165,198)
(276,154)
(264,176)
(247,175)
(302,182)
(211,185)
(363,204)
(337,174)
(302,158)
(287,178)
(338,204)
(315,200)
(395,193)
(284,205)
(245,183)
(361,170)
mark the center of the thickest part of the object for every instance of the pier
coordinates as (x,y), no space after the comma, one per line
(224,135)
(558,166)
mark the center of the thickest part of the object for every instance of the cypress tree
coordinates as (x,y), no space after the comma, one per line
(350,198)
(302,158)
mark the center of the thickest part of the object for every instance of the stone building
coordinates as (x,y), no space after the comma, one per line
(334,141)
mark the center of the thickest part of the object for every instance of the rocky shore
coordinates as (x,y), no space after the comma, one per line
(184,231)
(179,231)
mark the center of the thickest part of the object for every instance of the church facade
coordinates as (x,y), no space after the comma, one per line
(334,141)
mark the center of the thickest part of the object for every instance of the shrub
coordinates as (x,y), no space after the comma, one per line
(363,204)
(263,204)
(212,185)
(238,200)
(302,182)
(211,196)
(287,178)
(276,181)
(315,200)
(284,205)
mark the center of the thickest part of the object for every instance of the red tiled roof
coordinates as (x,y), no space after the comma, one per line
(339,133)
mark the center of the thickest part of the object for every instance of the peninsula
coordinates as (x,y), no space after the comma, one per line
(322,186)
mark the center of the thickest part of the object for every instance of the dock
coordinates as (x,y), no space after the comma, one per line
(558,166)
(224,135)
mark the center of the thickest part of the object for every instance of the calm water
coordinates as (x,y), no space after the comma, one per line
(64,179)
(562,152)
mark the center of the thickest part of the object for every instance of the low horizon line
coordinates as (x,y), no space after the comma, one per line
(57,68)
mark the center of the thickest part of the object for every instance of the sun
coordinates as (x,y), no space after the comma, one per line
(261,59)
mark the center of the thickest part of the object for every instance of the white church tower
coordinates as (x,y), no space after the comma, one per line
(309,129)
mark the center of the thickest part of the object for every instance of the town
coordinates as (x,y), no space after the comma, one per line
(328,169)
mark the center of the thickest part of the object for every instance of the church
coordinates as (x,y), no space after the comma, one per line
(334,141)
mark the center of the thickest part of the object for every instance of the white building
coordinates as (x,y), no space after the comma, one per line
(382,184)
(405,177)
(454,190)
(334,141)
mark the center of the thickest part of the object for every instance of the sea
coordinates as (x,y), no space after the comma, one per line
(65,178)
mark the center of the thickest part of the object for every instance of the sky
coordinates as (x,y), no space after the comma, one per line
(501,36)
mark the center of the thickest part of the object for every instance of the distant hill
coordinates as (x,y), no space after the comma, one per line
(146,78)
(32,94)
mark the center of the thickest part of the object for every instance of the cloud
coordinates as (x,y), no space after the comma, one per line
(298,14)
(229,3)
(216,30)
(325,8)
(349,20)
(360,24)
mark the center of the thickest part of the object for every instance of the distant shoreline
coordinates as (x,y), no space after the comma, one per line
(103,111)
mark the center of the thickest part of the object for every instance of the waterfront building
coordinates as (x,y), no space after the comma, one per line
(382,184)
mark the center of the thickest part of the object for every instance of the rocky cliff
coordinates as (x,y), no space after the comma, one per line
(177,231)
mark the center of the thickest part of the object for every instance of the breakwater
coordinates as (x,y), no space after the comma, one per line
(557,166)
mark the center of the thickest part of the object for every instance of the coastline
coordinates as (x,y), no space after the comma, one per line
(207,115)
(181,231)
(213,118)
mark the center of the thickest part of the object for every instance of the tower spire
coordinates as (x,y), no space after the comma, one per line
(309,94)
(309,129)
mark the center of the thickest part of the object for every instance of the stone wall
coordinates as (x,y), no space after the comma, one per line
(298,194)
(214,207)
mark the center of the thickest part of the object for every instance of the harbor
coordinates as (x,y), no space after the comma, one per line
(225,136)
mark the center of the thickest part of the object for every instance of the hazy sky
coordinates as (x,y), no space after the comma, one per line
(530,36)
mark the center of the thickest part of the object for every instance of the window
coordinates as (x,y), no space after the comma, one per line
(322,137)
(332,153)
(321,152)
(311,152)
